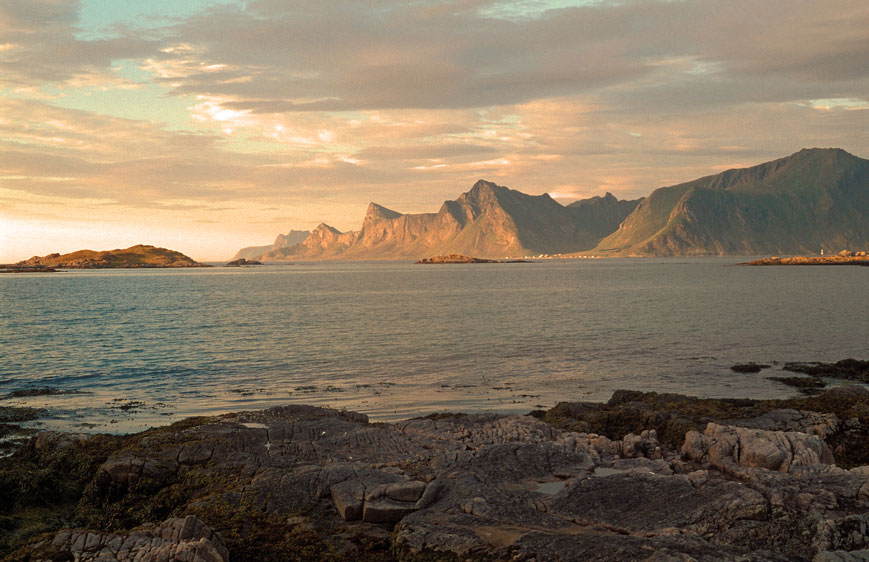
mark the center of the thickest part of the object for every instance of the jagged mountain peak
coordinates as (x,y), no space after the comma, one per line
(482,191)
(323,227)
(485,185)
(596,199)
(376,212)
(485,193)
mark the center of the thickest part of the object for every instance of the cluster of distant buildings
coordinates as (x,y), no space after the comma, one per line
(849,254)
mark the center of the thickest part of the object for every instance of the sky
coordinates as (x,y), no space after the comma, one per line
(208,125)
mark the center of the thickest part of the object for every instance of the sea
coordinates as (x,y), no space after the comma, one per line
(124,350)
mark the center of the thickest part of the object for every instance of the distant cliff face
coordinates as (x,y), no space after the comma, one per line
(812,200)
(139,256)
(487,221)
(292,238)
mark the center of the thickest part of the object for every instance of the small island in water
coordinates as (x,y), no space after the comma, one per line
(458,258)
(139,256)
(242,262)
(844,257)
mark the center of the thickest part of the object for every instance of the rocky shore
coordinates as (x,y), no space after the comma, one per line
(645,476)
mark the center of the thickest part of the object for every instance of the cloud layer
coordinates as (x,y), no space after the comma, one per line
(302,111)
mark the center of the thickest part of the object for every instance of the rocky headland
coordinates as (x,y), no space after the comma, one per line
(458,258)
(139,256)
(645,476)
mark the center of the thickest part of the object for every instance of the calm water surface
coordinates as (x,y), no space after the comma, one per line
(395,340)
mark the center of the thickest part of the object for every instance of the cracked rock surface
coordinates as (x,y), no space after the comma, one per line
(306,483)
(184,540)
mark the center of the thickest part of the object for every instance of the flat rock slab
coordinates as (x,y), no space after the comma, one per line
(174,540)
(385,510)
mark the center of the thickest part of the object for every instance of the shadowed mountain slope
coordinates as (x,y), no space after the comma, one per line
(812,200)
(602,215)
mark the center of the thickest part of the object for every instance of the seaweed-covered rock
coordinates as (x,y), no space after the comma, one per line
(847,369)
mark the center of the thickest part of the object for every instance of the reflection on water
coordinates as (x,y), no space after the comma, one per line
(395,340)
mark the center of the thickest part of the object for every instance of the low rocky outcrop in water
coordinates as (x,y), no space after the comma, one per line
(855,370)
(749,367)
(458,258)
(806,385)
(140,256)
(846,369)
(23,269)
(644,476)
(858,258)
(242,262)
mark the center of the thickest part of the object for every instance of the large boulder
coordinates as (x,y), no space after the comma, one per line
(734,449)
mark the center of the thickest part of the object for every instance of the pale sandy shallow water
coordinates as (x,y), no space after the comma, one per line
(396,340)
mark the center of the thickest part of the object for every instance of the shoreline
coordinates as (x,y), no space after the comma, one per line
(335,486)
(82,409)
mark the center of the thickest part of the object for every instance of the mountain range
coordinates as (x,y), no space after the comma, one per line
(488,220)
(812,200)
